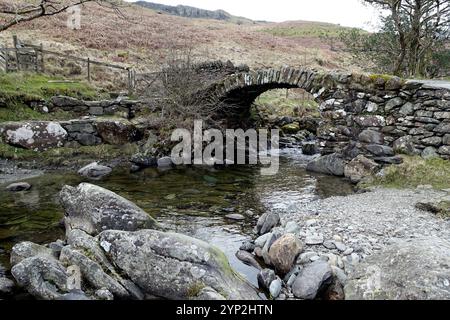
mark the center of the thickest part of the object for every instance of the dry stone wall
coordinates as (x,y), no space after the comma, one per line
(44,135)
(124,108)
(377,116)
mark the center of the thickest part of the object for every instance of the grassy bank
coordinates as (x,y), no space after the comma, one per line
(67,156)
(32,86)
(415,171)
(18,90)
(19,112)
(295,103)
(305,29)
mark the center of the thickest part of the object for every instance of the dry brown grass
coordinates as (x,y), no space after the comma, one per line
(144,36)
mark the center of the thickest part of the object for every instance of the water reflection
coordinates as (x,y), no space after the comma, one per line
(192,201)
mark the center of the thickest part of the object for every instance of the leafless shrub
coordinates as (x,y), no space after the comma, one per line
(180,90)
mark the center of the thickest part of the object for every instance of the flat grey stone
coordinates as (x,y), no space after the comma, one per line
(314,239)
(18,186)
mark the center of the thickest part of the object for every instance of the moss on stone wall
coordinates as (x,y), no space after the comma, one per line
(384,77)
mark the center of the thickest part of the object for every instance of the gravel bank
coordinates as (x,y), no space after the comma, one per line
(366,222)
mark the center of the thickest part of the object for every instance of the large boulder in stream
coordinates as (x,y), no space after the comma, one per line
(359,168)
(94,209)
(106,255)
(94,171)
(331,164)
(173,266)
(130,265)
(43,277)
(26,249)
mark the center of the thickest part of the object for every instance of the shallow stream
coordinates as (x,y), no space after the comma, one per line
(192,201)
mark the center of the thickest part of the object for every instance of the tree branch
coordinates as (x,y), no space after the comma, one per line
(27,12)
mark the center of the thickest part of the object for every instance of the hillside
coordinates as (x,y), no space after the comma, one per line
(142,38)
(192,12)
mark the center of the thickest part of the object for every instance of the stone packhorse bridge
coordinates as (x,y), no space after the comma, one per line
(377,116)
(374,115)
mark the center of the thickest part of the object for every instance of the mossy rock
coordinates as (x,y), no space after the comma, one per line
(195,289)
(380,77)
(389,82)
(291,128)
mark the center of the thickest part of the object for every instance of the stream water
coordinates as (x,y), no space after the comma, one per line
(192,201)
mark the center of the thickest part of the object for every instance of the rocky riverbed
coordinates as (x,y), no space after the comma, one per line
(113,249)
(363,246)
(313,238)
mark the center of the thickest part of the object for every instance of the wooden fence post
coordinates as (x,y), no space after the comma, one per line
(16,44)
(89,69)
(131,80)
(36,60)
(17,59)
(6,61)
(42,59)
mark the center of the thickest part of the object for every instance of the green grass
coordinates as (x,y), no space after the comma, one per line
(29,86)
(385,77)
(66,156)
(276,102)
(17,90)
(19,112)
(10,152)
(415,171)
(308,30)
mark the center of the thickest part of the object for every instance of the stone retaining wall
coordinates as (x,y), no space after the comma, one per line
(43,135)
(124,108)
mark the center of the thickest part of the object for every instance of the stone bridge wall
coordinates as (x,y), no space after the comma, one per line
(374,115)
(411,119)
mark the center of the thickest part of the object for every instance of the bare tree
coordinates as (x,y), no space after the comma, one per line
(180,91)
(420,26)
(13,13)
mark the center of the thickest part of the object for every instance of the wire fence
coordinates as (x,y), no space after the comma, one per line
(28,57)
